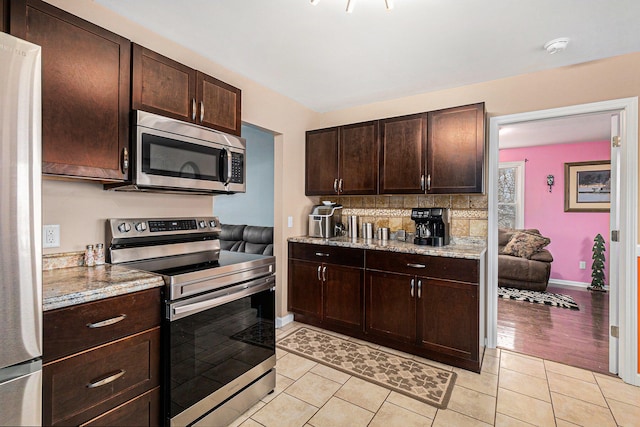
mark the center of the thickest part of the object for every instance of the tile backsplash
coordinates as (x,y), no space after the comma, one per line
(469,213)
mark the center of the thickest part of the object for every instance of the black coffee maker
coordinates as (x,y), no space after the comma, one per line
(432,226)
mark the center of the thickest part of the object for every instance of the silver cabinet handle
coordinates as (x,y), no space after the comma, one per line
(111,378)
(419,289)
(201,111)
(125,160)
(193,109)
(428,182)
(416,265)
(413,282)
(107,322)
(324,273)
(318,273)
(340,185)
(335,185)
(422,188)
(321,254)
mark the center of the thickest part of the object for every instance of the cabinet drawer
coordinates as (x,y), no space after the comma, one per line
(460,269)
(143,411)
(72,329)
(348,257)
(79,388)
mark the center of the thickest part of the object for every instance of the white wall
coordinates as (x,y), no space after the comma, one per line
(255,207)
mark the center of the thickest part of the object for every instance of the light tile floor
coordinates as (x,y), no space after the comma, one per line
(512,390)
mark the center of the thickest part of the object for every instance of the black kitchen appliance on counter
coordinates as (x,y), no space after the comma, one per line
(219,311)
(432,226)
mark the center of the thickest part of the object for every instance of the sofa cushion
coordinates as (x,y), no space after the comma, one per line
(524,244)
(247,238)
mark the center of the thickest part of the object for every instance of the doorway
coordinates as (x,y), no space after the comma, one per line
(624,218)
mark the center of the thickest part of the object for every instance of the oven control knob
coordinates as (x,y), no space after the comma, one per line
(141,226)
(212,224)
(203,224)
(124,227)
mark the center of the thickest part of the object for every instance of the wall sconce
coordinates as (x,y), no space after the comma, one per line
(550,181)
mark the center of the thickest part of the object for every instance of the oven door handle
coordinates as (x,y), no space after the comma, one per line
(234,293)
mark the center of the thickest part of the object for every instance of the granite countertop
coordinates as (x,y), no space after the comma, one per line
(468,250)
(63,287)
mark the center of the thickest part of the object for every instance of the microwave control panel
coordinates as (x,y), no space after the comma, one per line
(237,168)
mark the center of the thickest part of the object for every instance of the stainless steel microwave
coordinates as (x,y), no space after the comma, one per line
(173,156)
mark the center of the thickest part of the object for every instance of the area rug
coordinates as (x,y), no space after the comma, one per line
(546,298)
(412,378)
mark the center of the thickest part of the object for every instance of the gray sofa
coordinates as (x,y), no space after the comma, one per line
(247,238)
(522,273)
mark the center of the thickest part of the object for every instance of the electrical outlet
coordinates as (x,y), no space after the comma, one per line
(583,265)
(290,221)
(51,236)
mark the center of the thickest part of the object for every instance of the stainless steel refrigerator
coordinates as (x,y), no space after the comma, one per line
(20,233)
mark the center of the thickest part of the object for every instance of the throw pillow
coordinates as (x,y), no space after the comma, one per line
(523,244)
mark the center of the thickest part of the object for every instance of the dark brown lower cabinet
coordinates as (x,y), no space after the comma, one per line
(448,315)
(144,410)
(424,305)
(305,289)
(113,367)
(343,296)
(326,286)
(391,309)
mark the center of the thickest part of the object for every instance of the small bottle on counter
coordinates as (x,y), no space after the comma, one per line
(99,256)
(89,257)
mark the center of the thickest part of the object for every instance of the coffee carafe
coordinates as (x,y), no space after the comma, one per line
(432,226)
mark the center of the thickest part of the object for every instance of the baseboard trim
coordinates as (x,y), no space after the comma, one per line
(281,321)
(570,284)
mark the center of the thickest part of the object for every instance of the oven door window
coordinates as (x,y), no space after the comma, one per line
(180,159)
(211,348)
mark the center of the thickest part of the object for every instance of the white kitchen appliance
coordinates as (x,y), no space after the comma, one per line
(20,233)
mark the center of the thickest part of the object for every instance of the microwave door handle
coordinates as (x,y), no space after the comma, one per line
(227,156)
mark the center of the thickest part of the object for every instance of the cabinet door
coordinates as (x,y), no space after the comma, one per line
(455,150)
(358,158)
(343,296)
(305,288)
(219,104)
(321,168)
(85,91)
(87,384)
(143,411)
(4,16)
(402,154)
(390,306)
(448,318)
(162,86)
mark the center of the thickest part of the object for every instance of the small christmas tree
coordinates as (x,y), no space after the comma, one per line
(597,268)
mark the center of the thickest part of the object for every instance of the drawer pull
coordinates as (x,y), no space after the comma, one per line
(321,254)
(107,322)
(111,378)
(416,265)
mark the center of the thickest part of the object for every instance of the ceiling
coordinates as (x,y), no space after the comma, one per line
(327,59)
(565,130)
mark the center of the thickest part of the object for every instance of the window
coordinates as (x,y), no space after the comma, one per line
(511,195)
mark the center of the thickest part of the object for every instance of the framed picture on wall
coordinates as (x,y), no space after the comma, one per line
(587,186)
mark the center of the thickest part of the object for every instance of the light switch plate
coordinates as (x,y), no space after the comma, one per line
(290,222)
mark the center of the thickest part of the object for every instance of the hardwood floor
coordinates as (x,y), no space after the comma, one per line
(574,337)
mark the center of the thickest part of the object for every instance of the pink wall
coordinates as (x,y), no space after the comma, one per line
(571,233)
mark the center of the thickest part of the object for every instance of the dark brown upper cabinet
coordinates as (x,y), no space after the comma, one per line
(402,154)
(455,150)
(342,160)
(163,86)
(85,92)
(4,16)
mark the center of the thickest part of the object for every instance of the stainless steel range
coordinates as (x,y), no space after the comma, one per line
(219,311)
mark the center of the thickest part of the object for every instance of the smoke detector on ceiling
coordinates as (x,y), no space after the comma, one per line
(556,45)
